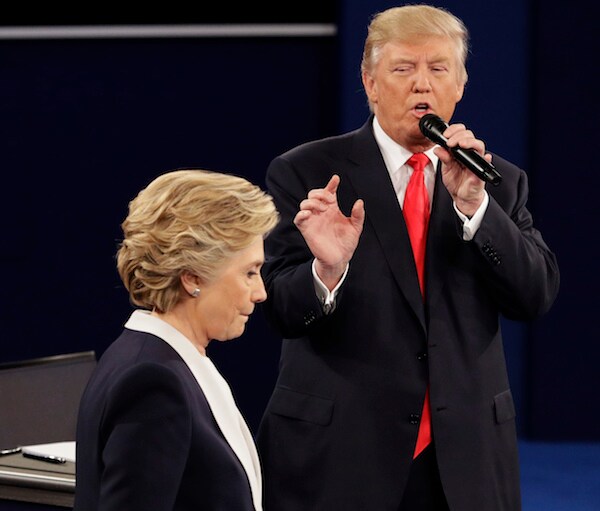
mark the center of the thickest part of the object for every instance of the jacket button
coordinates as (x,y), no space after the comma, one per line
(414,418)
(309,317)
(422,356)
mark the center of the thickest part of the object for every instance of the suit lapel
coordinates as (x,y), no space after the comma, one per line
(371,181)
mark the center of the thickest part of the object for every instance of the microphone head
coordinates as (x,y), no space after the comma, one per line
(432,126)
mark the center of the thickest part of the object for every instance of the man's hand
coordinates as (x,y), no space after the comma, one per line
(466,189)
(331,236)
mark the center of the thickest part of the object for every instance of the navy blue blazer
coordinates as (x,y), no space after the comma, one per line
(146,437)
(340,428)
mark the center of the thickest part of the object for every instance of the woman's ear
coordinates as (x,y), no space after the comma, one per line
(190,283)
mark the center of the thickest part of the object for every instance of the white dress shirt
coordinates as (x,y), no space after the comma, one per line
(395,158)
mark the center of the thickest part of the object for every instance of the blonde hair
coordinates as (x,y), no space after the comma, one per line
(410,22)
(187,220)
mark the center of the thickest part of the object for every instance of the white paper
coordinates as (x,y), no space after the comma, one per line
(64,450)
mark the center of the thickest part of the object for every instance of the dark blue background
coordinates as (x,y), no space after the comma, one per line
(85,124)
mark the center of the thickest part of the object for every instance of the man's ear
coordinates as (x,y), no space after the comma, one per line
(460,90)
(370,86)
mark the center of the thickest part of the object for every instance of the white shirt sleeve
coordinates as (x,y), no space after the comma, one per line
(326,297)
(471,225)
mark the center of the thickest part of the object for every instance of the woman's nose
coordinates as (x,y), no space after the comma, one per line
(260,293)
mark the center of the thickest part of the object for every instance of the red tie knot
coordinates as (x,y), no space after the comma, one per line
(418,161)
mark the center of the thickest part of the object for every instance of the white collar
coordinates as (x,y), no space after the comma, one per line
(217,392)
(395,155)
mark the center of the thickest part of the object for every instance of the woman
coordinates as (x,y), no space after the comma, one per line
(158,427)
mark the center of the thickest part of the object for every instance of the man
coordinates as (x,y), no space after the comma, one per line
(393,391)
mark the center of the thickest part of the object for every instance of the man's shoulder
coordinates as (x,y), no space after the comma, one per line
(321,144)
(331,145)
(511,172)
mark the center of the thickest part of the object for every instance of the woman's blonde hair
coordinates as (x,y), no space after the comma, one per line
(410,22)
(187,220)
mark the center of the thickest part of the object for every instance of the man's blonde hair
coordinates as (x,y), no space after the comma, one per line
(410,22)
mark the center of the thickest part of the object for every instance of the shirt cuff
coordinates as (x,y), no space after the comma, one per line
(326,297)
(471,225)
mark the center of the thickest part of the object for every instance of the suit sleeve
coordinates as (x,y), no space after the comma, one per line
(519,269)
(146,431)
(293,306)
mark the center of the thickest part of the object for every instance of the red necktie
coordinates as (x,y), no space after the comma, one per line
(416,216)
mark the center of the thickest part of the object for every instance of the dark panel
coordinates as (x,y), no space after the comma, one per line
(39,398)
(565,110)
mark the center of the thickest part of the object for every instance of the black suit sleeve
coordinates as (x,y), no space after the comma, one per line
(293,306)
(519,268)
(146,431)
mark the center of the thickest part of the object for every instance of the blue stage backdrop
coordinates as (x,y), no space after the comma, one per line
(85,123)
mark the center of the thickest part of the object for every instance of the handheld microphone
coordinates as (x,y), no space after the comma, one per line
(432,126)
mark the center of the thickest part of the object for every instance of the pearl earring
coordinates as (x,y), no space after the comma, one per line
(195,293)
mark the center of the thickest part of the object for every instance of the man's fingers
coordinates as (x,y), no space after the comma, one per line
(333,184)
(358,213)
(313,203)
(301,217)
(326,194)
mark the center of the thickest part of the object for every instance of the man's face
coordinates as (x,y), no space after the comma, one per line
(410,80)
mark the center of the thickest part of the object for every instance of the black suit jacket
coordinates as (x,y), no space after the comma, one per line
(147,439)
(340,428)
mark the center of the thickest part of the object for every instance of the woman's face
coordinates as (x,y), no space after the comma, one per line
(225,305)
